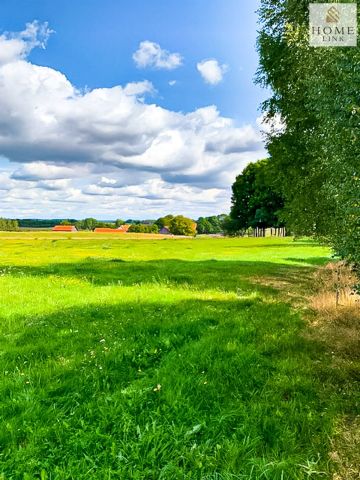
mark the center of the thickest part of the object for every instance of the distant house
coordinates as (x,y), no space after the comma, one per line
(64,228)
(123,228)
(165,231)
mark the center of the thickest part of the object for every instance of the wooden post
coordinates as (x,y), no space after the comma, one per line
(337,286)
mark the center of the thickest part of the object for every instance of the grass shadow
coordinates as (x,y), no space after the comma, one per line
(178,390)
(234,276)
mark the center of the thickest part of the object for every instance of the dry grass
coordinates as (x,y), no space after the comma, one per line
(346,453)
(337,325)
(337,308)
(334,292)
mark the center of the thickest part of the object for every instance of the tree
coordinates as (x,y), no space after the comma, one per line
(164,221)
(119,222)
(181,225)
(231,227)
(316,153)
(87,224)
(255,202)
(65,222)
(142,228)
(9,225)
(204,226)
(210,225)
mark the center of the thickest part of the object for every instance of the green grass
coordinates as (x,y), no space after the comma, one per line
(161,359)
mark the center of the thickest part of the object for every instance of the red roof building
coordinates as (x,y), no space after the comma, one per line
(64,228)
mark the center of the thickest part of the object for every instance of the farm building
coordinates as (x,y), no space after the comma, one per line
(123,228)
(165,231)
(64,228)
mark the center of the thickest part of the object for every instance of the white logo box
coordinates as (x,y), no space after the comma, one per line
(333,24)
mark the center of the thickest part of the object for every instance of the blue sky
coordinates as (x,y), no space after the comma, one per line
(92,46)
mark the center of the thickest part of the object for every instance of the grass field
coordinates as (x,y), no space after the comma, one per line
(162,359)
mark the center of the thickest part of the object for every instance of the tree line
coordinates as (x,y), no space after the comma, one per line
(176,225)
(315,155)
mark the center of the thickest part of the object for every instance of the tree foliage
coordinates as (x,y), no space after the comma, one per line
(142,228)
(87,224)
(210,225)
(255,202)
(316,155)
(181,225)
(9,225)
(164,221)
(91,223)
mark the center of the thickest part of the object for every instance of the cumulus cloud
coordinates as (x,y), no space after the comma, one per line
(67,147)
(139,88)
(15,46)
(211,71)
(150,54)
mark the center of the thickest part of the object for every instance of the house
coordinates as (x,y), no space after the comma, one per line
(165,231)
(123,228)
(64,228)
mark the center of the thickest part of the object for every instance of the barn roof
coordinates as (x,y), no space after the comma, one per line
(109,230)
(64,228)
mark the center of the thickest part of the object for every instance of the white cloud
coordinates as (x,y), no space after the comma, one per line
(150,54)
(54,185)
(211,71)
(271,125)
(15,46)
(172,83)
(42,171)
(139,88)
(67,146)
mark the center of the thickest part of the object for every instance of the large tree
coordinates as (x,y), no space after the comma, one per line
(181,225)
(316,153)
(255,202)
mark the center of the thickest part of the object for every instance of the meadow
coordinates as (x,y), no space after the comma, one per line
(133,358)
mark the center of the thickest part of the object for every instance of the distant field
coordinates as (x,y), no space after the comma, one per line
(161,359)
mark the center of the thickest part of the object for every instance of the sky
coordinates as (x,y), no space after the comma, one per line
(126,109)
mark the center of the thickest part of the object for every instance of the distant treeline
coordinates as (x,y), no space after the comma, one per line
(8,225)
(37,223)
(177,225)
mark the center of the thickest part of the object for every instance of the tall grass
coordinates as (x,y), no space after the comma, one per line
(144,359)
